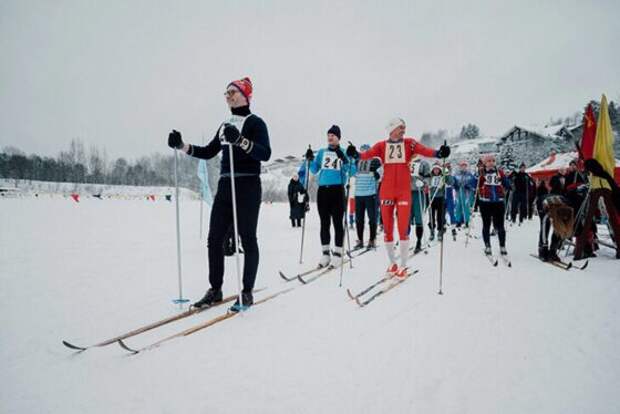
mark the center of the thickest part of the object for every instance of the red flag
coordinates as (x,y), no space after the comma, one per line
(75,197)
(589,134)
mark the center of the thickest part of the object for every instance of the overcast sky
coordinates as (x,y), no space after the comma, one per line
(121,74)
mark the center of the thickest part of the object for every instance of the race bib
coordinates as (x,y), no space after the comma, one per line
(395,153)
(491,179)
(300,198)
(330,161)
(436,181)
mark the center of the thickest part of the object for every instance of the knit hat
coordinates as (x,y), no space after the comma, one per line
(522,165)
(463,163)
(393,124)
(245,87)
(335,129)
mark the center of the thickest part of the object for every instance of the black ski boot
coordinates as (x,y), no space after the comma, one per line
(418,246)
(358,245)
(247,300)
(209,299)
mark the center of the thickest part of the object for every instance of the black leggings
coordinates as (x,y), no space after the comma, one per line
(249,193)
(519,205)
(438,214)
(493,212)
(330,203)
(366,204)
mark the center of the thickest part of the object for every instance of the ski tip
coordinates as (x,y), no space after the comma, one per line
(74,347)
(283,276)
(350,294)
(301,279)
(585,265)
(126,348)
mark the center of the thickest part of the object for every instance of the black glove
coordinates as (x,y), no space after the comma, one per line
(175,140)
(443,151)
(309,154)
(376,174)
(231,134)
(340,154)
(307,207)
(375,164)
(352,151)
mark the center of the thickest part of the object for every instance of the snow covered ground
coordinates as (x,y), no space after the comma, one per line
(532,339)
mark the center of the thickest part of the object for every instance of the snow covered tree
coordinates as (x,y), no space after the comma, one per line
(469,131)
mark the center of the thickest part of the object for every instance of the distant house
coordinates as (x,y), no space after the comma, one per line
(538,135)
(530,144)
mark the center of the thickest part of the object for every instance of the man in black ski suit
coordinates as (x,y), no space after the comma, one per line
(245,134)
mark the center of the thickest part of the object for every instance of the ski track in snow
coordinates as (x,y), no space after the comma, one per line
(532,338)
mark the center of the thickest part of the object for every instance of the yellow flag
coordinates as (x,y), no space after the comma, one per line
(604,145)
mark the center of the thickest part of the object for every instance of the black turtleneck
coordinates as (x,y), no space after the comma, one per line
(246,163)
(241,111)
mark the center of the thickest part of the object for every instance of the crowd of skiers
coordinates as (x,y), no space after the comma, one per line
(395,186)
(424,191)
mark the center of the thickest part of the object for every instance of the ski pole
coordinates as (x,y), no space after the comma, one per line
(443,179)
(235,223)
(344,219)
(176,185)
(303,227)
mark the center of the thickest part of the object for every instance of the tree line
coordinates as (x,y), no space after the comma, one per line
(93,166)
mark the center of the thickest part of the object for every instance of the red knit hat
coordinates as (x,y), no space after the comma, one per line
(245,87)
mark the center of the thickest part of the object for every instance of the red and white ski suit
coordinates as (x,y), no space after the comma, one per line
(395,191)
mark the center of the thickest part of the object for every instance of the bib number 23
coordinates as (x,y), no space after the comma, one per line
(395,153)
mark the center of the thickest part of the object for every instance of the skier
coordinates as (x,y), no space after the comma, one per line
(492,185)
(333,168)
(396,154)
(419,185)
(298,200)
(465,187)
(365,202)
(521,182)
(437,190)
(249,142)
(449,194)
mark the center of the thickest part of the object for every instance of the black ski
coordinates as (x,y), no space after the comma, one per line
(557,263)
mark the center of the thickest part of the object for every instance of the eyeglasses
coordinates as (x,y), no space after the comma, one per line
(230,92)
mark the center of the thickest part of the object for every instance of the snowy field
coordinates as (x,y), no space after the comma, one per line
(531,339)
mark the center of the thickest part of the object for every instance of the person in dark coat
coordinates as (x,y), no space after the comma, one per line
(298,200)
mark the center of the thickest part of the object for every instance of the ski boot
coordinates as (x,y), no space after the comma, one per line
(358,245)
(418,247)
(391,270)
(371,244)
(432,236)
(209,299)
(325,258)
(247,300)
(487,250)
(401,272)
